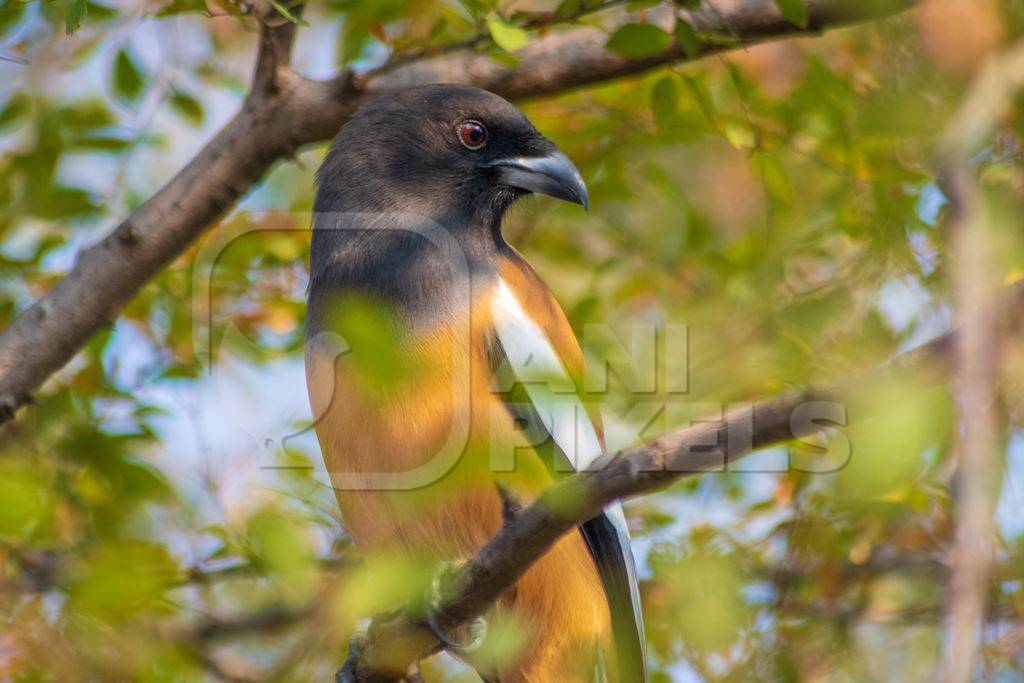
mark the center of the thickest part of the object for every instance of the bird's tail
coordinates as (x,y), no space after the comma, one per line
(617,570)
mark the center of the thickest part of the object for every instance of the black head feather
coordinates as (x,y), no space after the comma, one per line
(397,173)
(402,152)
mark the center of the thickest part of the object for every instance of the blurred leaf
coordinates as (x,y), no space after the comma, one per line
(182,6)
(894,423)
(567,8)
(701,95)
(279,542)
(11,12)
(687,38)
(373,333)
(477,8)
(353,38)
(87,115)
(384,583)
(506,637)
(508,37)
(98,12)
(664,101)
(76,10)
(63,202)
(705,592)
(27,502)
(188,107)
(634,41)
(794,11)
(102,143)
(128,80)
(287,13)
(775,178)
(14,110)
(124,579)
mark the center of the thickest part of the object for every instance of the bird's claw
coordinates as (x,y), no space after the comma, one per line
(349,672)
(476,629)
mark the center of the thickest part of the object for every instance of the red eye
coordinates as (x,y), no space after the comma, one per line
(472,134)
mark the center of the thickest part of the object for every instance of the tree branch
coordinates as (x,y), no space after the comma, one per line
(277,34)
(391,644)
(285,111)
(701,447)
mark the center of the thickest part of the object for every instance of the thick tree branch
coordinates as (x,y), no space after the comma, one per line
(393,643)
(284,112)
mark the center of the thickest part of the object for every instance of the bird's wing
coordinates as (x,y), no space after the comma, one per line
(552,395)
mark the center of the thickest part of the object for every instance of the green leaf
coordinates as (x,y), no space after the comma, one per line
(28,502)
(287,14)
(700,93)
(87,115)
(775,178)
(508,37)
(688,4)
(567,8)
(188,107)
(353,37)
(102,143)
(59,202)
(278,541)
(76,11)
(664,99)
(476,8)
(128,79)
(181,7)
(793,11)
(687,39)
(10,14)
(124,579)
(98,12)
(15,109)
(639,40)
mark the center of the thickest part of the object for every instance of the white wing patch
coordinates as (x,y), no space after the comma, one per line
(536,365)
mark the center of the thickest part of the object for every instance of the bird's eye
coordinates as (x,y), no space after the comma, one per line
(472,134)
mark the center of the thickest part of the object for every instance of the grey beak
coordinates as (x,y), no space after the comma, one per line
(553,175)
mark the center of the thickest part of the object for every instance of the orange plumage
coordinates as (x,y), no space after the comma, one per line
(560,599)
(408,217)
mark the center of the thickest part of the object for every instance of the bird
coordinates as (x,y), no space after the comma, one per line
(444,377)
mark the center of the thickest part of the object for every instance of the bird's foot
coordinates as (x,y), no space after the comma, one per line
(474,632)
(353,671)
(349,672)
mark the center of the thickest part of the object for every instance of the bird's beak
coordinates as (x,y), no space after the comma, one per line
(553,175)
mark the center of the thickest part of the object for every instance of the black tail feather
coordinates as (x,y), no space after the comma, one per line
(617,570)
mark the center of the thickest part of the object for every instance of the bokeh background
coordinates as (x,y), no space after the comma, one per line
(164,514)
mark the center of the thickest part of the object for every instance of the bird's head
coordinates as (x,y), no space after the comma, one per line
(443,151)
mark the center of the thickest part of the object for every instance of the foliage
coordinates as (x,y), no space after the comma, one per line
(163,513)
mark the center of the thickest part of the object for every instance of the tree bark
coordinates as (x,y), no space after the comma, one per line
(285,111)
